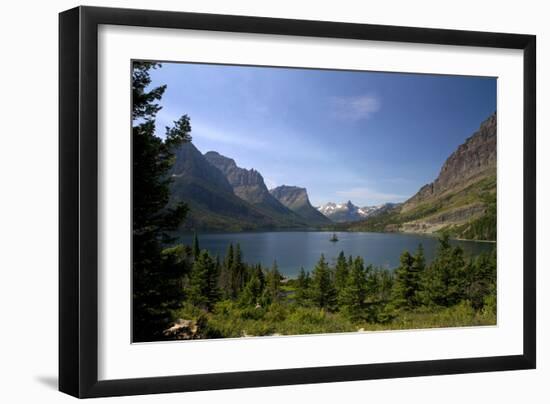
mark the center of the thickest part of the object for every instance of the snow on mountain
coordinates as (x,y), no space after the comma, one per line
(348,212)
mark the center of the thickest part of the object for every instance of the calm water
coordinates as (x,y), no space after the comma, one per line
(293,250)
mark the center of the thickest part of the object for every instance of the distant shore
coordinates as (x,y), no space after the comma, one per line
(478,241)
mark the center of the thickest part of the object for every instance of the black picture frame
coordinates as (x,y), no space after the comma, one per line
(78,201)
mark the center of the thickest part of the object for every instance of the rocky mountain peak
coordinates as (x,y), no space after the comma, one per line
(247,184)
(473,159)
(190,163)
(297,200)
(290,195)
(349,212)
(216,159)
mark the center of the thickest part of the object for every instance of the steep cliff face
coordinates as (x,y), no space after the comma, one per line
(249,185)
(297,200)
(209,195)
(475,159)
(461,200)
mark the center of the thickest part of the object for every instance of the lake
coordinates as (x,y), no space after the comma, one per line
(295,249)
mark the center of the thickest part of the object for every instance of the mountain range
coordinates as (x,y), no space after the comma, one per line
(224,196)
(348,212)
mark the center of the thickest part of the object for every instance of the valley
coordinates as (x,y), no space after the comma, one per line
(225,197)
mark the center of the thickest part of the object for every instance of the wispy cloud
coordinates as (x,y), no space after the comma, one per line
(364,194)
(201,131)
(205,132)
(355,108)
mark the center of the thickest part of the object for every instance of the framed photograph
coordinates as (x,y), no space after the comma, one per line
(251,201)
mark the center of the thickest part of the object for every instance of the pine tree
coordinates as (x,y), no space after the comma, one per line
(379,285)
(323,293)
(419,264)
(224,280)
(272,292)
(418,269)
(352,301)
(214,292)
(444,281)
(252,291)
(178,261)
(229,256)
(406,285)
(237,270)
(341,273)
(259,273)
(481,279)
(198,291)
(196,248)
(302,287)
(156,287)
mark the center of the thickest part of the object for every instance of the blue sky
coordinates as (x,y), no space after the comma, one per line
(362,136)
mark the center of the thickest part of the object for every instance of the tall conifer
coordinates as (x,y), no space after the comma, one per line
(323,292)
(156,288)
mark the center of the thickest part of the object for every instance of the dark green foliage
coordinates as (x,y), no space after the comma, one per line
(202,290)
(445,279)
(481,281)
(196,247)
(198,289)
(224,280)
(371,298)
(156,281)
(303,292)
(341,273)
(258,271)
(144,102)
(379,286)
(419,263)
(177,261)
(214,293)
(253,290)
(323,292)
(353,295)
(237,271)
(406,288)
(272,292)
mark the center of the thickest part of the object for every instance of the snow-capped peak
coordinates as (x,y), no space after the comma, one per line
(348,212)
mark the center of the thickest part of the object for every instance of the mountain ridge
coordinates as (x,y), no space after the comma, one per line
(469,162)
(296,199)
(210,196)
(249,185)
(224,196)
(349,212)
(460,201)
